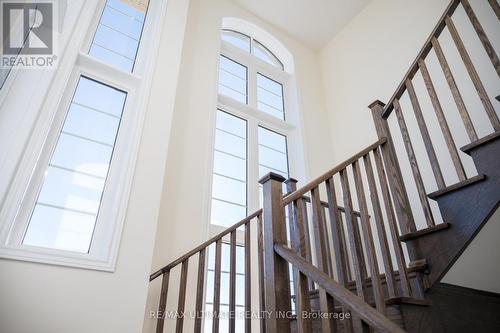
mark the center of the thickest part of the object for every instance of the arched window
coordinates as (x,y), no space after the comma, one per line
(254,126)
(252,129)
(252,46)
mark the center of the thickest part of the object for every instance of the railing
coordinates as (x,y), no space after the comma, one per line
(336,241)
(366,313)
(407,89)
(201,253)
(340,257)
(341,250)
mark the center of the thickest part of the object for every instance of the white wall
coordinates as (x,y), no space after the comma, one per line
(368,59)
(477,267)
(184,214)
(42,298)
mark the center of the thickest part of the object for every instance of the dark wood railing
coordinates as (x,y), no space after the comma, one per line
(335,244)
(201,252)
(374,318)
(406,88)
(336,241)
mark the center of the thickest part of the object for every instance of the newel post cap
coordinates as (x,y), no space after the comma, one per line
(272,176)
(376,103)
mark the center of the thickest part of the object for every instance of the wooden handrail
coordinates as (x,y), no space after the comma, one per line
(368,314)
(312,184)
(286,200)
(438,29)
(222,234)
(204,245)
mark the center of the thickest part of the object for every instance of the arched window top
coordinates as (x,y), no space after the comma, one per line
(253,39)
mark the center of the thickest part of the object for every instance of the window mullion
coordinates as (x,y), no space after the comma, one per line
(253,165)
(252,86)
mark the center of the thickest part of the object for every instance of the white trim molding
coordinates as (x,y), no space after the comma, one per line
(23,187)
(264,37)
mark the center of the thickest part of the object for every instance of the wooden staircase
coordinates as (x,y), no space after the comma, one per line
(348,243)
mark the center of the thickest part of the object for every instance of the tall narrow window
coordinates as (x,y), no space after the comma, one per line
(233,79)
(256,83)
(229,179)
(224,288)
(253,79)
(73,184)
(66,209)
(118,34)
(270,97)
(273,156)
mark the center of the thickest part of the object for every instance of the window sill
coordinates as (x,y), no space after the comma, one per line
(58,258)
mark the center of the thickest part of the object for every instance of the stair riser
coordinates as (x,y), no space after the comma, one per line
(466,209)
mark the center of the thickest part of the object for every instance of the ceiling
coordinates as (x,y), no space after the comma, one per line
(313,22)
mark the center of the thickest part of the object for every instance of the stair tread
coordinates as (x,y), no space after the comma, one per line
(457,186)
(388,301)
(408,300)
(413,235)
(468,148)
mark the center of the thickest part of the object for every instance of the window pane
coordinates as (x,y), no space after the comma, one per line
(232,79)
(261,52)
(237,39)
(230,143)
(226,214)
(67,206)
(229,188)
(64,188)
(119,32)
(95,125)
(270,97)
(273,158)
(82,155)
(273,154)
(60,229)
(230,166)
(231,124)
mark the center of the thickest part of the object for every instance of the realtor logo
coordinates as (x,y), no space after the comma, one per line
(28,34)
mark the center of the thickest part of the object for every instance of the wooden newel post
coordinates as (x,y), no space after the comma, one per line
(394,175)
(277,283)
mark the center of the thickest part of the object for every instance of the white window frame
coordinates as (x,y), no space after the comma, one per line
(256,118)
(16,209)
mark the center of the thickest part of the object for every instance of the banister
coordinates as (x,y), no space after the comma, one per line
(204,245)
(286,200)
(436,32)
(315,182)
(368,314)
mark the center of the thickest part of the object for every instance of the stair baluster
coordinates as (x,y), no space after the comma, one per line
(298,240)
